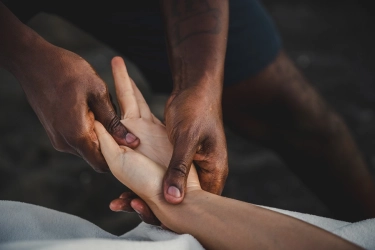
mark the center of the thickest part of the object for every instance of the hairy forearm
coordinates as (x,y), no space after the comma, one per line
(196,40)
(222,223)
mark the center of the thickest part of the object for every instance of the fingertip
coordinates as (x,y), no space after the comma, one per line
(135,143)
(120,205)
(114,206)
(99,130)
(137,205)
(117,59)
(173,194)
(130,138)
(124,137)
(97,125)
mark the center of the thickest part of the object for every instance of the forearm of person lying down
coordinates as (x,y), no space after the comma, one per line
(223,223)
(216,221)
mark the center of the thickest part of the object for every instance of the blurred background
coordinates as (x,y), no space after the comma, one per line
(330,41)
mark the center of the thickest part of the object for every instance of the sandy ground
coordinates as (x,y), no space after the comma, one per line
(332,44)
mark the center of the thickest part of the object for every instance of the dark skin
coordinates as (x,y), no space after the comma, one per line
(196,41)
(58,79)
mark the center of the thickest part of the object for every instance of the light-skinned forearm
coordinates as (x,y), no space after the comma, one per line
(196,41)
(222,223)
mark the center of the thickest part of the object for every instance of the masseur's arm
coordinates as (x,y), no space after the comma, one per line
(196,42)
(217,222)
(63,89)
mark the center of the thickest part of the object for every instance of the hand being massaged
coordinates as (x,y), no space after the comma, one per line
(141,170)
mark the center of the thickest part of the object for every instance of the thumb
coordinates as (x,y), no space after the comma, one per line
(175,178)
(105,113)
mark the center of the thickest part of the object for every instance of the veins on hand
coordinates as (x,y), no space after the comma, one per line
(192,18)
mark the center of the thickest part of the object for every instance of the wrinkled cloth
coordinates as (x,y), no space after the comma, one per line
(27,226)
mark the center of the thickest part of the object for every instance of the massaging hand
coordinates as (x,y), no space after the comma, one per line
(136,115)
(194,126)
(67,96)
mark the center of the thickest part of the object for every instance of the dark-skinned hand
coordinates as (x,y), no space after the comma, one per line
(193,120)
(68,96)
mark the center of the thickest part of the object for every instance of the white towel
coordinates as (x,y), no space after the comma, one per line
(26,226)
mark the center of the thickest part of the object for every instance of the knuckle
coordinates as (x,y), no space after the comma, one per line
(115,127)
(101,89)
(180,169)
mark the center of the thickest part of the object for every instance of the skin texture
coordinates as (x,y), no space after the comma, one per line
(63,89)
(196,41)
(238,225)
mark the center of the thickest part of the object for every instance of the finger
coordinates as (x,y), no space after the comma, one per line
(212,181)
(144,212)
(144,109)
(108,146)
(128,201)
(128,195)
(124,89)
(212,163)
(113,104)
(121,205)
(104,112)
(174,182)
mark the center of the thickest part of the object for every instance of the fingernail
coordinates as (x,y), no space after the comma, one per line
(130,137)
(174,191)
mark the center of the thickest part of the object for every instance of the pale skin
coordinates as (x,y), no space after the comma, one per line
(238,225)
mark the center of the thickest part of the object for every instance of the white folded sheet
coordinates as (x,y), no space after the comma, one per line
(27,226)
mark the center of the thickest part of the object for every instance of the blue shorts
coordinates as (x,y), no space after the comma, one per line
(138,34)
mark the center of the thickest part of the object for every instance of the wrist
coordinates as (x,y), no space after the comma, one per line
(170,214)
(16,39)
(203,80)
(24,51)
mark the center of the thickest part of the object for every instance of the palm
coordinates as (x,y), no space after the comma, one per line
(154,140)
(138,169)
(138,118)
